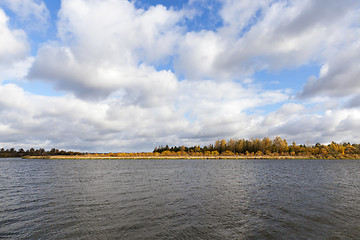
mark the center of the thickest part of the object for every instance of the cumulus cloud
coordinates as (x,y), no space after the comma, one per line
(198,53)
(14,48)
(33,13)
(73,123)
(13,42)
(99,56)
(284,114)
(117,31)
(93,80)
(193,117)
(338,77)
(334,125)
(268,35)
(353,102)
(216,109)
(136,78)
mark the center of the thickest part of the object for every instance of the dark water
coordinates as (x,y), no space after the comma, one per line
(179,199)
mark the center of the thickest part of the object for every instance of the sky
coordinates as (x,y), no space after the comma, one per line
(125,76)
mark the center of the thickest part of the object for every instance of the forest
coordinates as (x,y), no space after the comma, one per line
(266,147)
(35,152)
(234,148)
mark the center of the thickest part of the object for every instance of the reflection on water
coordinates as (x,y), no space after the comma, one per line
(179,199)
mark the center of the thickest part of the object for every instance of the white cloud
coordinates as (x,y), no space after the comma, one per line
(266,35)
(71,123)
(108,47)
(353,102)
(284,114)
(116,31)
(32,13)
(240,16)
(13,43)
(107,60)
(194,117)
(93,80)
(339,76)
(218,109)
(14,48)
(334,125)
(198,53)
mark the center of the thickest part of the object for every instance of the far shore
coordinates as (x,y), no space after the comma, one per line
(167,157)
(233,149)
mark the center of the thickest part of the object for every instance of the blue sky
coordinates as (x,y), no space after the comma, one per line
(117,75)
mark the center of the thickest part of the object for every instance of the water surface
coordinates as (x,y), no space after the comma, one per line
(179,199)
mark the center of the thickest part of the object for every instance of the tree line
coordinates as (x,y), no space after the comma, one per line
(12,152)
(265,147)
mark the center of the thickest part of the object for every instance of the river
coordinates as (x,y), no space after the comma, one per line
(179,199)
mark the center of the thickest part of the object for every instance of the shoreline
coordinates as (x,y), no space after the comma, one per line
(76,157)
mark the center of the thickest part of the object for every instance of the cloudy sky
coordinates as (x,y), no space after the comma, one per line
(118,75)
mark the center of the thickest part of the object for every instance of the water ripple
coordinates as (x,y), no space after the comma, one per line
(185,199)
